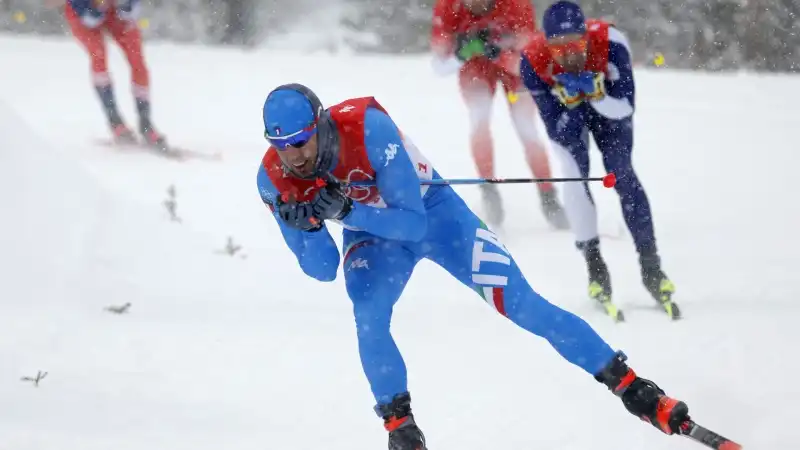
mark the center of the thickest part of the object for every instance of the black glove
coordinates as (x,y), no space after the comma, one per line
(331,203)
(299,215)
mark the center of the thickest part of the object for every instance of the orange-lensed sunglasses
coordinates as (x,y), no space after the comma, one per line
(568,48)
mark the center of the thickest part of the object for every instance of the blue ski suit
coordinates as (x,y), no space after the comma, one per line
(397,224)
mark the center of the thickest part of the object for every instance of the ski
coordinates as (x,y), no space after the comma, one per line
(704,436)
(170,152)
(612,311)
(671,309)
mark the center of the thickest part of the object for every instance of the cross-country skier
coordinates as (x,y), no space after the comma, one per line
(483,39)
(389,227)
(89,20)
(579,72)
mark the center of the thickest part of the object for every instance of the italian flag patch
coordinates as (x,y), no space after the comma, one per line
(494,297)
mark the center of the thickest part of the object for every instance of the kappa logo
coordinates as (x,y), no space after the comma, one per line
(347,108)
(359,263)
(391,152)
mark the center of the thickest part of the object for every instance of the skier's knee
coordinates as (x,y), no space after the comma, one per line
(627,181)
(372,317)
(372,303)
(533,312)
(139,73)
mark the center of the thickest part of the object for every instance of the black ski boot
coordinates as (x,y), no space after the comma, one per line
(122,134)
(599,279)
(404,434)
(552,210)
(152,137)
(658,285)
(643,398)
(492,204)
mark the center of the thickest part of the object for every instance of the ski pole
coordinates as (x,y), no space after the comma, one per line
(608,180)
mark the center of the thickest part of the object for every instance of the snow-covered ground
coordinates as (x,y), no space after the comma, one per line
(247,353)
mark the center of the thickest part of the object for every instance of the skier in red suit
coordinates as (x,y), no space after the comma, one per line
(89,20)
(483,40)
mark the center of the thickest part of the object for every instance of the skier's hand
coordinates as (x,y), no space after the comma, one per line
(331,203)
(299,215)
(476,45)
(568,90)
(593,85)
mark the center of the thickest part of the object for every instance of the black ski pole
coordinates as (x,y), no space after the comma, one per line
(608,180)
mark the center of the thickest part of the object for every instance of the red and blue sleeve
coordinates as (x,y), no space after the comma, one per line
(316,251)
(620,102)
(404,217)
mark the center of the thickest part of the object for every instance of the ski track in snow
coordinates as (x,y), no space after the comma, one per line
(221,352)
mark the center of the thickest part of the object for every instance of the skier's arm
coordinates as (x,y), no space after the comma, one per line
(316,251)
(619,101)
(404,217)
(442,29)
(563,124)
(90,16)
(523,23)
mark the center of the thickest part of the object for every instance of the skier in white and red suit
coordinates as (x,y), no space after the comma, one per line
(483,39)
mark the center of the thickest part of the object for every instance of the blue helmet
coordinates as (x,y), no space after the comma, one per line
(292,114)
(563,17)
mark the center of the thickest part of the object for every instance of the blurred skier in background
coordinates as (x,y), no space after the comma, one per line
(579,72)
(483,39)
(89,20)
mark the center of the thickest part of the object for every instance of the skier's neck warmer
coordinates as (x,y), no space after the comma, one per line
(327,145)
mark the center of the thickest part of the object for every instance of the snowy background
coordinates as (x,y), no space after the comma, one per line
(759,35)
(226,348)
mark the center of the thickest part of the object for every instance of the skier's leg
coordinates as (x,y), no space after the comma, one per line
(376,272)
(129,37)
(478,82)
(93,41)
(524,117)
(615,140)
(579,205)
(482,263)
(485,265)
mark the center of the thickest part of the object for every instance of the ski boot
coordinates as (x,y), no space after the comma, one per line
(492,203)
(404,434)
(658,285)
(151,137)
(643,398)
(552,210)
(600,280)
(122,134)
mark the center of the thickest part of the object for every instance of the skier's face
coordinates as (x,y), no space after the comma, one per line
(569,51)
(478,6)
(301,160)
